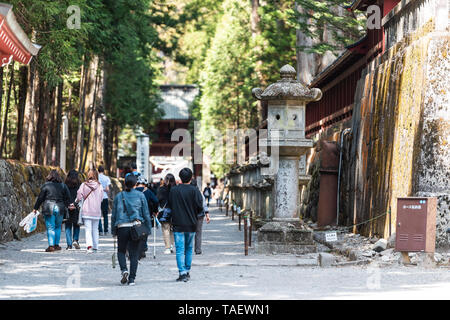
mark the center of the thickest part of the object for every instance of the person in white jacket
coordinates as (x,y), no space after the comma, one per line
(91,192)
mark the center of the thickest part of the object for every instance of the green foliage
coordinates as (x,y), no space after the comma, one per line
(319,17)
(132,94)
(227,79)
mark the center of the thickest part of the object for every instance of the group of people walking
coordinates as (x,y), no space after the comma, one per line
(75,204)
(181,209)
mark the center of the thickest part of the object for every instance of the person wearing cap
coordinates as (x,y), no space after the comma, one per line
(152,202)
(134,171)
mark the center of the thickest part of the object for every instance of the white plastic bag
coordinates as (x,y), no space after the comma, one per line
(29,223)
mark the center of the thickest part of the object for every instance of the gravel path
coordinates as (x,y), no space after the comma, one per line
(221,272)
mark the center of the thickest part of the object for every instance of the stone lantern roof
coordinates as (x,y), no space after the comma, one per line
(288,88)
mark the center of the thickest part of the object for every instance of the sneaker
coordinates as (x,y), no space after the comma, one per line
(198,252)
(167,251)
(90,250)
(124,277)
(50,249)
(76,245)
(57,247)
(131,282)
(182,277)
(69,248)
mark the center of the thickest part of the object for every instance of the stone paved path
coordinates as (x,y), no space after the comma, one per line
(221,272)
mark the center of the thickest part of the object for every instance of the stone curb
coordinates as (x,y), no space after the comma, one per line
(349,253)
(289,263)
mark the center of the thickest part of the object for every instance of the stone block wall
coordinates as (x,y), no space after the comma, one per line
(400,129)
(20,185)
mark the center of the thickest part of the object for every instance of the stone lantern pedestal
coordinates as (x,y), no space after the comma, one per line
(286,143)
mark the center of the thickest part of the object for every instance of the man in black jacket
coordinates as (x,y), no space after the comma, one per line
(185,203)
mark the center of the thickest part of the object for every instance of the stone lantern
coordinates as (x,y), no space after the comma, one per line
(286,143)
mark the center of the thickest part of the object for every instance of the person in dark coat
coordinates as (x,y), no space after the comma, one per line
(152,202)
(185,203)
(54,198)
(71,226)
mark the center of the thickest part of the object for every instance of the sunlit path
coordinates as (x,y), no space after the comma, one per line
(221,272)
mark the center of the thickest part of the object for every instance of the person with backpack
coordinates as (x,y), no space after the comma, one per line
(91,192)
(54,198)
(71,226)
(207,193)
(152,202)
(164,212)
(130,211)
(185,203)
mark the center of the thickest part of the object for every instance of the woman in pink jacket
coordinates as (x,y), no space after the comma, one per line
(92,193)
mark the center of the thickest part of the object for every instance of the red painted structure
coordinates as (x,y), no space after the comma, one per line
(14,43)
(176,106)
(338,81)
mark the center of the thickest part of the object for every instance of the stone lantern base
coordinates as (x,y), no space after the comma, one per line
(282,236)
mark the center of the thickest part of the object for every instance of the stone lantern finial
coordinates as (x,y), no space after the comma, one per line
(288,72)
(288,88)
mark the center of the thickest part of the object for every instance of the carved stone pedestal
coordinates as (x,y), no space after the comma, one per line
(284,237)
(286,101)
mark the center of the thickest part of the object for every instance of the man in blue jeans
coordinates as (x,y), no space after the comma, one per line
(185,202)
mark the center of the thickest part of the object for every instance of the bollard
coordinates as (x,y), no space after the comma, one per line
(239,222)
(250,229)
(239,213)
(245,236)
(226,210)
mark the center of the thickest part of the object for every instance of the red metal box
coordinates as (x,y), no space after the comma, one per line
(416,224)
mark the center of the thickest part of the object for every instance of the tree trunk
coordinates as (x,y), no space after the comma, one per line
(72,139)
(80,136)
(255,20)
(115,150)
(93,75)
(1,99)
(8,102)
(42,126)
(306,63)
(50,125)
(23,84)
(29,140)
(59,104)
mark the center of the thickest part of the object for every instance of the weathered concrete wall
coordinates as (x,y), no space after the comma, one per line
(20,185)
(400,131)
(433,164)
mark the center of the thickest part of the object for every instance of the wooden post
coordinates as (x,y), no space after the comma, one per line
(405,257)
(250,229)
(240,215)
(245,234)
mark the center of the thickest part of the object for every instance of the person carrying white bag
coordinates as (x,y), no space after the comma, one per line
(54,198)
(29,223)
